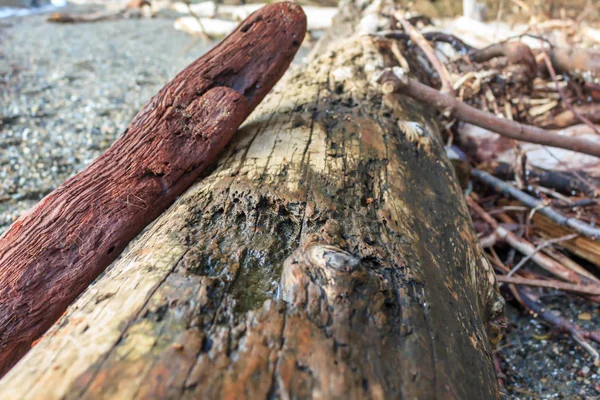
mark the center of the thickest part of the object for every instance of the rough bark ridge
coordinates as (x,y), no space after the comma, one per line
(51,254)
(329,255)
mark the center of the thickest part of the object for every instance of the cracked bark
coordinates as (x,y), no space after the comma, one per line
(330,254)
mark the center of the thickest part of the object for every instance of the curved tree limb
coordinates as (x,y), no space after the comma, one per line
(512,129)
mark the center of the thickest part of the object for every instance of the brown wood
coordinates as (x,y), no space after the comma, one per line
(515,53)
(583,247)
(51,254)
(505,127)
(329,255)
(569,118)
(576,60)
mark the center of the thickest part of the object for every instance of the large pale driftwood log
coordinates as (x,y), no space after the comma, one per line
(53,252)
(329,255)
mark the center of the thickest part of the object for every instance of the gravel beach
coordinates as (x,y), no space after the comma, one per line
(67,91)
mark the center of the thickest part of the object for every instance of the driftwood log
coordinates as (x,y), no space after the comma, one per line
(329,255)
(51,254)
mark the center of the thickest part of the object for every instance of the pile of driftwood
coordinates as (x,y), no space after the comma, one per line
(522,127)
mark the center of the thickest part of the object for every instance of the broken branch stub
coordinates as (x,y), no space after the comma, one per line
(53,252)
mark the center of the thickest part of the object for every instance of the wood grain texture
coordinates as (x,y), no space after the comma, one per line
(330,255)
(52,253)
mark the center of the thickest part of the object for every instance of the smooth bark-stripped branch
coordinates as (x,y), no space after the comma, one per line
(582,247)
(564,182)
(570,264)
(550,284)
(51,254)
(512,129)
(530,201)
(318,17)
(587,277)
(204,27)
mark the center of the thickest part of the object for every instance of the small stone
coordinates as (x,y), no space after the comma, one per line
(585,316)
(585,370)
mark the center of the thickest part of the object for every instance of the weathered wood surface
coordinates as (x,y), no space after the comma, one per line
(329,255)
(51,254)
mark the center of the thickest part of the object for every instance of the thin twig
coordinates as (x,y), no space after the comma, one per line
(429,52)
(530,201)
(559,257)
(205,36)
(524,247)
(541,246)
(511,129)
(456,43)
(591,290)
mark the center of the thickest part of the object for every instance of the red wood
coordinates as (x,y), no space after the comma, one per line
(51,254)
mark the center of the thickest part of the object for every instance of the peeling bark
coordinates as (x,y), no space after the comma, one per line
(329,255)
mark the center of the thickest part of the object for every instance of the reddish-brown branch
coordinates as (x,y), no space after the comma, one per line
(515,53)
(591,290)
(51,254)
(505,127)
(566,62)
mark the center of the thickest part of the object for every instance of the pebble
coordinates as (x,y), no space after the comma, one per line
(585,316)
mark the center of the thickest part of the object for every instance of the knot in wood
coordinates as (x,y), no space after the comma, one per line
(320,274)
(331,257)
